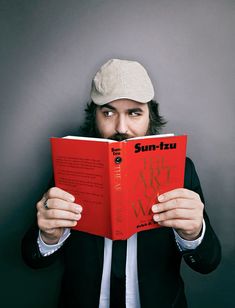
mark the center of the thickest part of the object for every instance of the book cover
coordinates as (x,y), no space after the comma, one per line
(117,182)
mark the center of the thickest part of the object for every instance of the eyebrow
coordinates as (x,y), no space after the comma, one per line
(135,110)
(107,106)
(138,109)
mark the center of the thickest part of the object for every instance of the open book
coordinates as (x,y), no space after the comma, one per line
(117,182)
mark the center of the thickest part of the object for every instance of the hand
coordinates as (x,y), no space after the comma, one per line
(182,210)
(61,212)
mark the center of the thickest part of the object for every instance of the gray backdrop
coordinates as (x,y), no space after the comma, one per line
(49,53)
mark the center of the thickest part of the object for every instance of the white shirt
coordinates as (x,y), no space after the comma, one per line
(132,289)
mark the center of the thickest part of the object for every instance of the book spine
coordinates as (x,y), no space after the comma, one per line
(117,203)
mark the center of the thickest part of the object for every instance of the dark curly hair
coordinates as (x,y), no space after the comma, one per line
(89,129)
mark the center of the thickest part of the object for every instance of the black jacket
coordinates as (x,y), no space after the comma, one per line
(158,257)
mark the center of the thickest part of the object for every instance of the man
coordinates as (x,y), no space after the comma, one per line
(147,272)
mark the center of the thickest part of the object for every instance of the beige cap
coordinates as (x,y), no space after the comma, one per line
(119,79)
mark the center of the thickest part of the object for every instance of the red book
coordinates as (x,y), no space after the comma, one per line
(117,182)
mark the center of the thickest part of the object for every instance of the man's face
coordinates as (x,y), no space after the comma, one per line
(122,119)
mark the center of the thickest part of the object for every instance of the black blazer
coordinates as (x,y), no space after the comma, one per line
(158,257)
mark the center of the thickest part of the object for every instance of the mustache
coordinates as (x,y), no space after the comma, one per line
(119,137)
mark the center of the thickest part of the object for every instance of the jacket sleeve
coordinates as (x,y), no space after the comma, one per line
(30,250)
(207,256)
(29,247)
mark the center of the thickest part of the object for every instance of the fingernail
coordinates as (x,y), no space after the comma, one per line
(161,198)
(156,217)
(71,198)
(78,209)
(154,208)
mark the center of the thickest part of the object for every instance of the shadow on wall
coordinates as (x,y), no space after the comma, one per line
(22,189)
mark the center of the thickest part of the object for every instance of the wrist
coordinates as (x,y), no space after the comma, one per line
(188,236)
(50,239)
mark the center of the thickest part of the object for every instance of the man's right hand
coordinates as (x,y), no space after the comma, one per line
(61,213)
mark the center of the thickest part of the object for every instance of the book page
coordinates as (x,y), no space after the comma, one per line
(81,168)
(89,139)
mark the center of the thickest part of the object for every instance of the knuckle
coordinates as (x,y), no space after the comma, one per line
(57,223)
(40,218)
(71,216)
(49,192)
(176,202)
(52,191)
(175,213)
(200,212)
(199,206)
(193,226)
(40,224)
(197,196)
(202,205)
(70,206)
(74,209)
(51,224)
(53,213)
(54,203)
(38,205)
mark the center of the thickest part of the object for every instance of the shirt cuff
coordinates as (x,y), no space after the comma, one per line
(186,245)
(47,250)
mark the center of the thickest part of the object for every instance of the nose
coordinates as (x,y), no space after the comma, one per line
(121,125)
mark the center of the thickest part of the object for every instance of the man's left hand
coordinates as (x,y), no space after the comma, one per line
(182,210)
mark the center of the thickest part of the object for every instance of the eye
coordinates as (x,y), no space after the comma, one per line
(108,113)
(135,113)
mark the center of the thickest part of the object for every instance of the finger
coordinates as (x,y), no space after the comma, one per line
(59,193)
(60,214)
(60,204)
(177,214)
(178,193)
(176,224)
(186,226)
(177,203)
(51,224)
